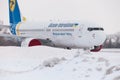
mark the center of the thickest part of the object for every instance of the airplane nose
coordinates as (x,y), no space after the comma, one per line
(99,37)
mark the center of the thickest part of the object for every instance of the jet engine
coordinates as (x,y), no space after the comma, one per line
(29,42)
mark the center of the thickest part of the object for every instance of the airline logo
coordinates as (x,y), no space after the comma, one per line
(12,5)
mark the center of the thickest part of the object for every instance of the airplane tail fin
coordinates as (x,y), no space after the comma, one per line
(14,12)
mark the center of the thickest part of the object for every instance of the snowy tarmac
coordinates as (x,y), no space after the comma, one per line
(46,63)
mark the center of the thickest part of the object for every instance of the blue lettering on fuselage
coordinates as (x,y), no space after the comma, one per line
(53,25)
(62,34)
(63,24)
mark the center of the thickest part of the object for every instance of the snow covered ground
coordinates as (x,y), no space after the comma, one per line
(46,63)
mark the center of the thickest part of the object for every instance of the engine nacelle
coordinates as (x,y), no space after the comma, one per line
(96,48)
(29,42)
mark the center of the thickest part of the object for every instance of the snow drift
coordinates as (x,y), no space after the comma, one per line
(46,63)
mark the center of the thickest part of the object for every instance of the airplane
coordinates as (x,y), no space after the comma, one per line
(60,34)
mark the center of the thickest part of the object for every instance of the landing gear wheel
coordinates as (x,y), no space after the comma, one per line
(96,48)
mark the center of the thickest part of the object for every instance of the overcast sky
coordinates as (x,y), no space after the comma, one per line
(103,12)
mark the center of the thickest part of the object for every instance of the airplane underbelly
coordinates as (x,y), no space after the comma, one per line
(64,41)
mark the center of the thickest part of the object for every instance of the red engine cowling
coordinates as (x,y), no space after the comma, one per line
(96,48)
(29,42)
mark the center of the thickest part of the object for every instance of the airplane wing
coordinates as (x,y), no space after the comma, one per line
(7,39)
(4,26)
(14,40)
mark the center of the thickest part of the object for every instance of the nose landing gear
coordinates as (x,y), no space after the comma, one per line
(96,48)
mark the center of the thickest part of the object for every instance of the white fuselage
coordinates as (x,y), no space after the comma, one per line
(63,34)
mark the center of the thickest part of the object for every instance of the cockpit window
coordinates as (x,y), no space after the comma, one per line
(95,29)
